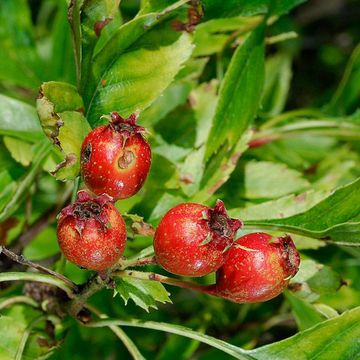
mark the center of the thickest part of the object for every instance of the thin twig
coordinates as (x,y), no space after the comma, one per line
(151,260)
(22,260)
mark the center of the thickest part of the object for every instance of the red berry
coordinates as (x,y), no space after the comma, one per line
(259,268)
(193,239)
(115,158)
(91,232)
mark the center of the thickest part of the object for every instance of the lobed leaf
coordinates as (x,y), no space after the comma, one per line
(144,293)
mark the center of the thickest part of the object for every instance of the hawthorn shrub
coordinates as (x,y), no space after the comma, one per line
(125,130)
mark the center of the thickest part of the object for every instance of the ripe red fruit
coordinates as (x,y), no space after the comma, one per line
(193,239)
(115,158)
(91,232)
(259,268)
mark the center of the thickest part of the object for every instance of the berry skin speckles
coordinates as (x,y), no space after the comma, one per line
(91,232)
(116,158)
(258,268)
(193,239)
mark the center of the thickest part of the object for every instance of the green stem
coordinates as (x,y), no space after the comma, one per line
(313,113)
(47,279)
(75,189)
(310,127)
(151,260)
(132,348)
(94,285)
(23,186)
(26,335)
(234,351)
(18,299)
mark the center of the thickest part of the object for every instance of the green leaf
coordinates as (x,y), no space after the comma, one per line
(337,338)
(277,84)
(10,340)
(305,314)
(60,110)
(262,179)
(240,93)
(41,151)
(139,75)
(211,36)
(314,279)
(346,96)
(19,62)
(20,150)
(336,218)
(144,293)
(219,169)
(19,120)
(280,208)
(216,9)
(94,16)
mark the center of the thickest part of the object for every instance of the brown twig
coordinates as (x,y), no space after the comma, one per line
(22,260)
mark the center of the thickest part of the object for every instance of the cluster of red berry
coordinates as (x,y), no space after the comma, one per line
(191,239)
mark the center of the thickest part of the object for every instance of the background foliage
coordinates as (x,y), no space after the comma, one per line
(256,104)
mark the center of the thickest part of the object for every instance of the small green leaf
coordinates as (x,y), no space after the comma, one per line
(144,293)
(240,93)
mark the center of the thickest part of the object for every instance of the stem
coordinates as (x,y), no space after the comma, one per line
(47,279)
(281,37)
(75,189)
(94,285)
(151,260)
(22,260)
(234,351)
(172,8)
(207,289)
(311,127)
(133,350)
(18,299)
(289,115)
(26,335)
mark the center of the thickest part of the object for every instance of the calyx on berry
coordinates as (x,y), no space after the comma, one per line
(91,232)
(193,239)
(258,268)
(116,158)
